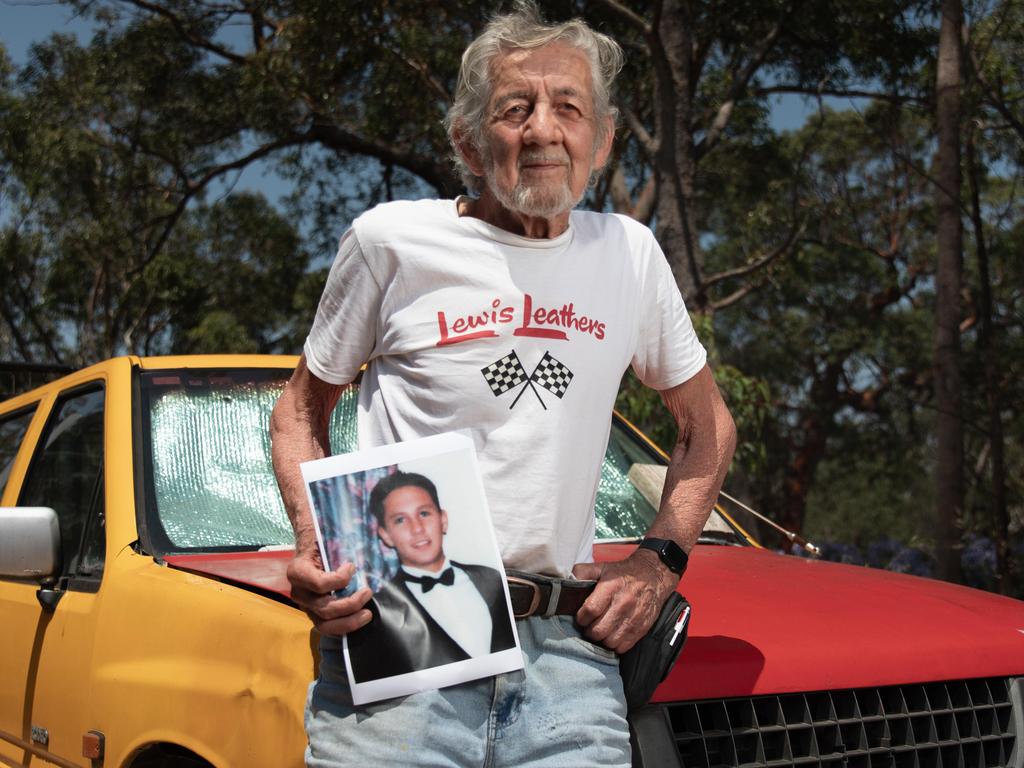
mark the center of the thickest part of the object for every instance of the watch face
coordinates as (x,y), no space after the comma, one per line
(671,554)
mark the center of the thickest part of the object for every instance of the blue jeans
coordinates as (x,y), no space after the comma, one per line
(564,709)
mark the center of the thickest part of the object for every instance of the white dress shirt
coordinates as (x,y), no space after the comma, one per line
(460,609)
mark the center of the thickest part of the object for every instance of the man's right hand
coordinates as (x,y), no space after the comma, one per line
(311,590)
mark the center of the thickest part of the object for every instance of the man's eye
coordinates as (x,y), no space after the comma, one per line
(517,112)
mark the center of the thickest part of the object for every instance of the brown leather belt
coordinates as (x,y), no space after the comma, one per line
(535,595)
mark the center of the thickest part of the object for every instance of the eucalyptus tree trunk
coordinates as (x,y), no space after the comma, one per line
(948,399)
(675,163)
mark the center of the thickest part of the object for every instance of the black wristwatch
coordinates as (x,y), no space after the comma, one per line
(671,554)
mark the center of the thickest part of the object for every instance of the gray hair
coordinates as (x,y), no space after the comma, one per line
(523,29)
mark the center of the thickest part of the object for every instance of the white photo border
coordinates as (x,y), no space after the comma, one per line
(423,448)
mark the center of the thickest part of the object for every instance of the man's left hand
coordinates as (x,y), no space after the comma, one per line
(627,599)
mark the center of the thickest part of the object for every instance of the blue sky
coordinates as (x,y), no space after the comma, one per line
(23,22)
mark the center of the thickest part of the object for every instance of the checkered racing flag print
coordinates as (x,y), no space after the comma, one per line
(505,374)
(552,375)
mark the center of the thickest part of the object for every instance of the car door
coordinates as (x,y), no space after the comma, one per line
(56,625)
(18,605)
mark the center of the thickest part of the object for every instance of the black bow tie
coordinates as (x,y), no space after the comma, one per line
(447,578)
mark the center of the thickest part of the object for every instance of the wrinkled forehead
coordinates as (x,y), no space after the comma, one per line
(550,69)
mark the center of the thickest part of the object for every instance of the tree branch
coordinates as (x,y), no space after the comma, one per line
(423,72)
(643,209)
(733,297)
(647,142)
(192,188)
(628,15)
(760,262)
(994,98)
(183,31)
(739,85)
(257,22)
(621,202)
(436,172)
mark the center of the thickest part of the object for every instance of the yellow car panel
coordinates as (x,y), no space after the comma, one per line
(121,660)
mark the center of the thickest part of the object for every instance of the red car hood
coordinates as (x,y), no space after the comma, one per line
(767,623)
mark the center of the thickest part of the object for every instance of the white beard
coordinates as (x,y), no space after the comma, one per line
(528,200)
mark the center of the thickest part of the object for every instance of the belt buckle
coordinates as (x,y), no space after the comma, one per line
(534,603)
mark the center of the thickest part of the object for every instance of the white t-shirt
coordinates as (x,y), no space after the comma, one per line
(522,342)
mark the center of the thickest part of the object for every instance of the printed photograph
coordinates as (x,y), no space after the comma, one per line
(413,518)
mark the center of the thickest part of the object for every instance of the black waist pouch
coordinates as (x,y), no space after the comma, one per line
(647,663)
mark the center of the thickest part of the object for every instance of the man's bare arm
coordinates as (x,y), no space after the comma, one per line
(629,594)
(298,433)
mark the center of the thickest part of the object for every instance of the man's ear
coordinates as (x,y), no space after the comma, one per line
(444,522)
(384,536)
(469,153)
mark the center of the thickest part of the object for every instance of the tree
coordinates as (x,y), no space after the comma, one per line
(839,336)
(99,257)
(808,257)
(992,45)
(708,69)
(949,432)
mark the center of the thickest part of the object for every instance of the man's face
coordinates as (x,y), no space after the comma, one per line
(414,527)
(541,132)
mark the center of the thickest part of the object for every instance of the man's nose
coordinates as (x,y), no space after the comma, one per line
(541,127)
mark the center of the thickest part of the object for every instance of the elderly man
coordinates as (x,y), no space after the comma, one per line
(458,308)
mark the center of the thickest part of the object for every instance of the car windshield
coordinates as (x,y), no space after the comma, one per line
(209,484)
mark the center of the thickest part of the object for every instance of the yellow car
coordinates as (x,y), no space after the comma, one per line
(145,620)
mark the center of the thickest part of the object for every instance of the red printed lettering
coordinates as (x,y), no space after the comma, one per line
(527,330)
(476,322)
(446,340)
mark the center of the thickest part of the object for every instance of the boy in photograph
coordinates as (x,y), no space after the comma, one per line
(433,611)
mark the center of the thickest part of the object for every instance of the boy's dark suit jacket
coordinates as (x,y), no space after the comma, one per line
(403,637)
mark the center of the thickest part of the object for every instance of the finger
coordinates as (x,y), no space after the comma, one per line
(623,645)
(327,607)
(626,621)
(596,605)
(345,624)
(306,575)
(623,636)
(587,571)
(604,625)
(626,613)
(306,596)
(307,570)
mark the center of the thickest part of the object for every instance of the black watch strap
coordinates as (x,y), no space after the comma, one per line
(671,554)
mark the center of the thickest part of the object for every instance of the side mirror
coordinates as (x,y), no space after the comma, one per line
(29,543)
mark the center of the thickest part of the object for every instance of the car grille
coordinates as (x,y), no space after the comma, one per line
(959,724)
